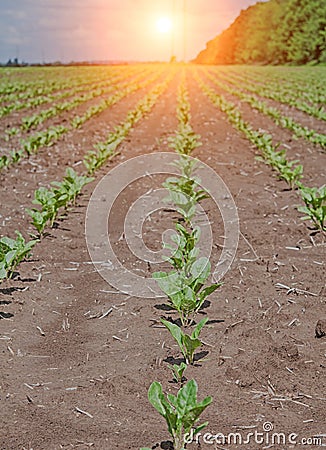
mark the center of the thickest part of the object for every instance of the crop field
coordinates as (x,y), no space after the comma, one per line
(87,357)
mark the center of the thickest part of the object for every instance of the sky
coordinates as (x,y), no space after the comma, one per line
(98,30)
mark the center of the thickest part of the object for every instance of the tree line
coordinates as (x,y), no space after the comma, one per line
(272,32)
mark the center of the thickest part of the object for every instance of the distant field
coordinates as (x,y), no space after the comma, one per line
(262,130)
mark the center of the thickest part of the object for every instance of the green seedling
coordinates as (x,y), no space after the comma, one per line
(178,371)
(186,166)
(315,205)
(60,195)
(39,219)
(292,175)
(12,252)
(185,140)
(14,131)
(49,208)
(42,138)
(94,159)
(185,289)
(183,111)
(16,156)
(186,251)
(187,343)
(4,161)
(70,187)
(181,412)
(184,193)
(183,108)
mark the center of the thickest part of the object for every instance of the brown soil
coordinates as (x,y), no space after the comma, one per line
(263,362)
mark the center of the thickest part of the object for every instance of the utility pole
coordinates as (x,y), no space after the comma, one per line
(173,30)
(184,30)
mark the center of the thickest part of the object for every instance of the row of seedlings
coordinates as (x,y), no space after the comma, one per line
(50,201)
(37,96)
(49,82)
(279,119)
(94,90)
(303,98)
(290,171)
(52,134)
(184,286)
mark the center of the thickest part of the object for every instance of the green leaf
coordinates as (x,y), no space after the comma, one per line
(193,414)
(208,290)
(157,399)
(176,332)
(195,334)
(8,242)
(189,300)
(190,345)
(170,283)
(3,272)
(200,269)
(200,427)
(186,398)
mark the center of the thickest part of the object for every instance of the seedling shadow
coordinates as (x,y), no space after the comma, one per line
(205,305)
(314,231)
(5,302)
(172,360)
(167,445)
(14,275)
(200,355)
(9,291)
(56,225)
(164,307)
(183,380)
(174,321)
(26,280)
(211,322)
(4,315)
(197,357)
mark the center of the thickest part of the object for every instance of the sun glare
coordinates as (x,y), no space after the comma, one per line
(164,25)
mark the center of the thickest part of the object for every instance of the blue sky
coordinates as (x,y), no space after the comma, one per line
(49,30)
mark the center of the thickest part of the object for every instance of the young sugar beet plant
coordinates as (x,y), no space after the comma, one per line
(178,371)
(181,412)
(315,205)
(185,288)
(60,195)
(184,191)
(187,343)
(12,252)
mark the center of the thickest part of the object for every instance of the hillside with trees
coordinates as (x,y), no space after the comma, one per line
(272,32)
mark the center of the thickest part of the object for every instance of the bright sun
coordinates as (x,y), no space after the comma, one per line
(164,25)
